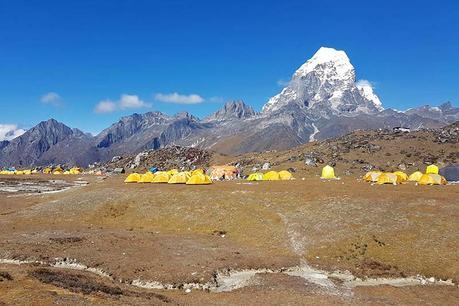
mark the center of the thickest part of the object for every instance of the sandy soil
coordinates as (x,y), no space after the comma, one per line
(98,244)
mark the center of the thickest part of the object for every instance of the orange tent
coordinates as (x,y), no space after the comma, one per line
(223,172)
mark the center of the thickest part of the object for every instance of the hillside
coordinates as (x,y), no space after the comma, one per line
(360,151)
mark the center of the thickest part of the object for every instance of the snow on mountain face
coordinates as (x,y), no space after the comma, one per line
(326,84)
(366,90)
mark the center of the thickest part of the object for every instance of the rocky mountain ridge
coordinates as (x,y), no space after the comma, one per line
(322,100)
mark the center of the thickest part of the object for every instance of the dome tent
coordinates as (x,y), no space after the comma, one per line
(197,171)
(432,179)
(132,178)
(255,177)
(147,177)
(432,169)
(372,176)
(328,173)
(179,178)
(415,176)
(401,175)
(161,177)
(450,173)
(388,178)
(199,179)
(271,176)
(172,172)
(284,175)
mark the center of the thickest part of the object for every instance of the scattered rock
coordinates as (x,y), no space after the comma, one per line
(5,276)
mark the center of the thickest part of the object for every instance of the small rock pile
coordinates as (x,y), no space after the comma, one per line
(448,134)
(173,157)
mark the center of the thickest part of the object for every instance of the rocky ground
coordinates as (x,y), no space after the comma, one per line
(361,151)
(288,242)
(173,157)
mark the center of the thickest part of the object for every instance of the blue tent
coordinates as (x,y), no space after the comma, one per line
(153,169)
(451,173)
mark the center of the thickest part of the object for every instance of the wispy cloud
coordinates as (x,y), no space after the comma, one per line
(132,101)
(365,83)
(282,83)
(10,131)
(177,98)
(105,107)
(125,102)
(51,98)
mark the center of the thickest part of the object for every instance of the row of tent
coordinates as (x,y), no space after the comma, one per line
(57,170)
(196,177)
(328,173)
(283,175)
(430,177)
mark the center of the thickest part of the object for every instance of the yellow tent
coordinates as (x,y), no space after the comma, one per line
(372,176)
(147,177)
(34,171)
(67,172)
(179,178)
(401,175)
(432,179)
(199,179)
(172,172)
(19,172)
(161,177)
(255,177)
(27,172)
(271,176)
(197,171)
(328,173)
(388,178)
(415,176)
(132,178)
(47,170)
(75,170)
(432,169)
(284,175)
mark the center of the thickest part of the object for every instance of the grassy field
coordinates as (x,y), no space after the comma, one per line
(178,234)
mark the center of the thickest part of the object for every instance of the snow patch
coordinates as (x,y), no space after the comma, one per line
(313,135)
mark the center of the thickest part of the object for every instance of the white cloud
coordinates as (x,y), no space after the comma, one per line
(51,98)
(282,83)
(365,83)
(132,101)
(179,99)
(10,131)
(105,106)
(125,102)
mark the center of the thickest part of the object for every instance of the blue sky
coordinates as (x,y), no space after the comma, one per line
(61,58)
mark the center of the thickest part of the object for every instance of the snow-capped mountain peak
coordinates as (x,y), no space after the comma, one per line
(331,59)
(324,85)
